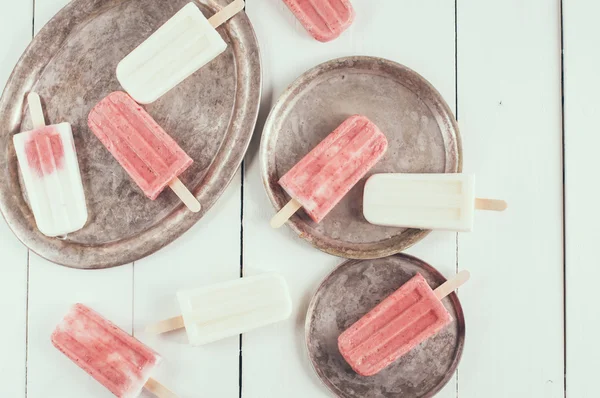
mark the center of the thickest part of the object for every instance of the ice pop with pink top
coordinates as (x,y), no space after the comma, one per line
(150,156)
(50,171)
(116,360)
(324,176)
(325,20)
(398,324)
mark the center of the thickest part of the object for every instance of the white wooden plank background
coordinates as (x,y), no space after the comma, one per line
(506,82)
(582,83)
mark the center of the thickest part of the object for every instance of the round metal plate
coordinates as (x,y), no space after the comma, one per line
(72,64)
(422,133)
(352,290)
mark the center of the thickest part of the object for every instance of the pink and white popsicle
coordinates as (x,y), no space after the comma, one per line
(405,319)
(50,171)
(150,156)
(326,174)
(116,360)
(325,20)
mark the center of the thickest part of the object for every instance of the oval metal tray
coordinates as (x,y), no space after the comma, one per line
(71,63)
(352,290)
(422,133)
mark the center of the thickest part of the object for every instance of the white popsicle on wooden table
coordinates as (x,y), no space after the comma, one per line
(183,45)
(228,309)
(424,201)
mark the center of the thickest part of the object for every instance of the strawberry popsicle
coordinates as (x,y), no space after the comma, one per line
(150,156)
(50,171)
(118,361)
(398,324)
(325,20)
(322,178)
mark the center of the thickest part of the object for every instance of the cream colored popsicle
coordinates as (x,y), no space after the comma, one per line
(405,319)
(50,170)
(424,201)
(115,359)
(184,44)
(230,308)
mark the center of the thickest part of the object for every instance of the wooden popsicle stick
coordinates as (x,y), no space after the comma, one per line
(285,213)
(35,110)
(185,195)
(490,204)
(452,284)
(168,325)
(158,389)
(226,13)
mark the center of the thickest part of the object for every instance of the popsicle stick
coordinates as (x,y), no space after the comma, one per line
(285,214)
(452,284)
(185,195)
(35,110)
(226,13)
(168,325)
(158,389)
(490,204)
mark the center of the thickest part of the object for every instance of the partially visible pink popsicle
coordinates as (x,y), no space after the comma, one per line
(325,20)
(322,178)
(140,145)
(118,361)
(399,323)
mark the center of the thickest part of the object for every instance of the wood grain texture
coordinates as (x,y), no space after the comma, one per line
(274,358)
(581,86)
(509,103)
(15,29)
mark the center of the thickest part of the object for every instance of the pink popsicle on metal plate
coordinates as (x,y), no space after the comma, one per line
(325,20)
(326,174)
(409,316)
(150,156)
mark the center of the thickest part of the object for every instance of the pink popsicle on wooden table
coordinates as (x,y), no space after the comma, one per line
(150,156)
(325,20)
(115,359)
(405,319)
(326,174)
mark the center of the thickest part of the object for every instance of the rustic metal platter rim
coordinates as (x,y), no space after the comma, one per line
(219,174)
(409,237)
(453,297)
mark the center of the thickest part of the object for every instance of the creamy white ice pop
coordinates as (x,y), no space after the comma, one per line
(50,171)
(228,309)
(424,201)
(184,44)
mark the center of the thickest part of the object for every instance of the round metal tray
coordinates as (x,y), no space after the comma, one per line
(352,290)
(422,133)
(71,63)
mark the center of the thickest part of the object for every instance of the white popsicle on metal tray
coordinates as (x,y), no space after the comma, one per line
(228,309)
(50,171)
(424,201)
(184,44)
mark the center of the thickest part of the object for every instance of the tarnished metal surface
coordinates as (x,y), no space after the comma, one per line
(422,133)
(348,293)
(72,63)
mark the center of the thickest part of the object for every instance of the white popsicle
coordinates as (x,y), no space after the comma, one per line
(184,44)
(50,171)
(424,201)
(230,308)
